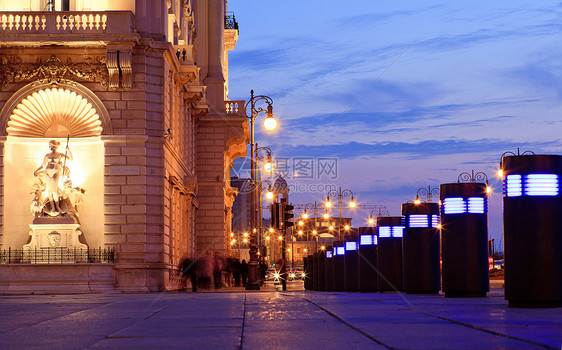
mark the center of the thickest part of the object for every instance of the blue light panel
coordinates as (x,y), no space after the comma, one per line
(366,239)
(398,231)
(418,220)
(340,250)
(454,205)
(328,254)
(477,205)
(375,240)
(514,187)
(350,245)
(385,231)
(541,185)
(435,220)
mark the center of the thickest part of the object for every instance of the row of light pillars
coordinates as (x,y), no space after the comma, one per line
(532,233)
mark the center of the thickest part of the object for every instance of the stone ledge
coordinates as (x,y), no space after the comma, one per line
(56,278)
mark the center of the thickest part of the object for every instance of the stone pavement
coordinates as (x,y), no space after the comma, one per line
(273,320)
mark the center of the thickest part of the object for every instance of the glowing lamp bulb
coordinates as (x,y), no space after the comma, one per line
(267,238)
(269,195)
(326,216)
(245,240)
(305,215)
(314,232)
(328,204)
(331,228)
(300,232)
(270,123)
(245,234)
(301,222)
(271,229)
(322,247)
(500,172)
(417,201)
(488,189)
(352,204)
(280,238)
(346,227)
(371,220)
(268,167)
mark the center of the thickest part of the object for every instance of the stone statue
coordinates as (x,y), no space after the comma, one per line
(47,187)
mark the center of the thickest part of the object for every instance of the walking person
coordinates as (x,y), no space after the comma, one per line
(217,270)
(244,272)
(236,272)
(205,270)
(188,269)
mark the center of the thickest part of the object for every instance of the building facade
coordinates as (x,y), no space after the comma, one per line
(137,92)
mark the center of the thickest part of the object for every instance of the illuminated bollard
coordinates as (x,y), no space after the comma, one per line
(339,268)
(329,275)
(305,270)
(390,231)
(420,248)
(532,219)
(315,271)
(321,270)
(464,239)
(351,266)
(367,259)
(310,272)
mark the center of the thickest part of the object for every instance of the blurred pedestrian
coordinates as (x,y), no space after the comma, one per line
(188,269)
(244,272)
(217,270)
(236,271)
(205,270)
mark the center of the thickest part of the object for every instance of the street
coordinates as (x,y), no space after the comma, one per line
(273,320)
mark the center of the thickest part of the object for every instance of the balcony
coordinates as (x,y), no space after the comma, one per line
(14,26)
(235,108)
(230,21)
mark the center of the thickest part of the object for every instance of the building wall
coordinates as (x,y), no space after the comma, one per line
(168,140)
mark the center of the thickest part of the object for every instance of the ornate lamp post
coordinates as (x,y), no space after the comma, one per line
(428,192)
(380,211)
(270,124)
(340,194)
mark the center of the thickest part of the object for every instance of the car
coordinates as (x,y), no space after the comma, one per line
(296,274)
(273,275)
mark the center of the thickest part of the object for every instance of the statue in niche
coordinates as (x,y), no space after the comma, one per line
(51,199)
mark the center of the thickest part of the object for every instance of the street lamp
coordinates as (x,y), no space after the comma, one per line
(376,213)
(475,177)
(270,124)
(340,194)
(428,192)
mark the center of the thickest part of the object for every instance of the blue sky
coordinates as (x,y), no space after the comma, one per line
(404,94)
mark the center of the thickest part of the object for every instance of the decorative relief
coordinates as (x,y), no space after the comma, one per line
(52,71)
(54,239)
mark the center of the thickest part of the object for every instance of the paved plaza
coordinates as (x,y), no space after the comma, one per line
(235,319)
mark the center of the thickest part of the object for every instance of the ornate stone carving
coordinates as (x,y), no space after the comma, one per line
(52,71)
(125,59)
(50,199)
(113,69)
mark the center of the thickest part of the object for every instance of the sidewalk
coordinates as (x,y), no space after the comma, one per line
(273,320)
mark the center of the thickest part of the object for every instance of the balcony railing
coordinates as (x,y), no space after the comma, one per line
(230,21)
(236,108)
(94,22)
(185,54)
(57,256)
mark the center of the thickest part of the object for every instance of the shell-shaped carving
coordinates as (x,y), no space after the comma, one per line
(54,113)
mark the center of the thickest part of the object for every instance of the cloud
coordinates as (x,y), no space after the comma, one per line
(422,149)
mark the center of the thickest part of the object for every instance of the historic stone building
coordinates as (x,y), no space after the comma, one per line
(134,94)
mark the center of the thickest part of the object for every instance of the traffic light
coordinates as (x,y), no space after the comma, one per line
(288,215)
(274,210)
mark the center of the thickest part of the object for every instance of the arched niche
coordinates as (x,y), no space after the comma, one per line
(30,119)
